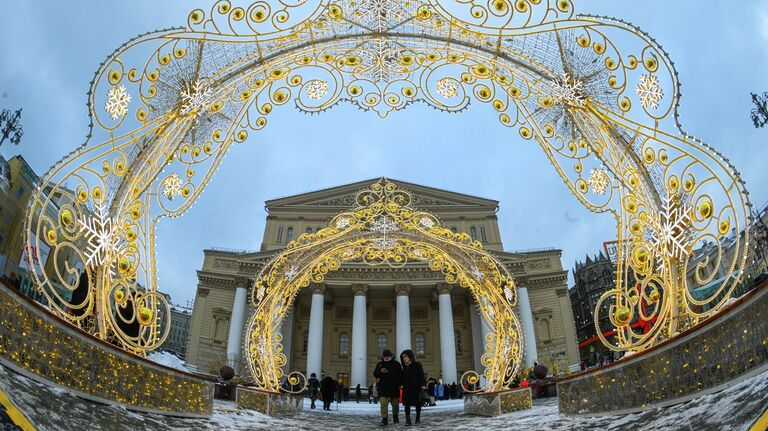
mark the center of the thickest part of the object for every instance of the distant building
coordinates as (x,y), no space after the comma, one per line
(177,337)
(592,278)
(17,183)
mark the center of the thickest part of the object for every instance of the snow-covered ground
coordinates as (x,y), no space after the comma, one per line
(168,359)
(732,409)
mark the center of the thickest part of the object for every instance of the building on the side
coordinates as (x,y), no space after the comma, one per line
(178,333)
(539,273)
(17,184)
(592,277)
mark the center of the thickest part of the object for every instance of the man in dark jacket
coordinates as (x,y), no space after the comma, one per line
(414,382)
(314,387)
(390,376)
(327,388)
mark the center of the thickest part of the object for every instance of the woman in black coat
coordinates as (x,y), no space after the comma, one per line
(327,388)
(413,383)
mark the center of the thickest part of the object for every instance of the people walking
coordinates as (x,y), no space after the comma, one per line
(390,374)
(370,394)
(440,391)
(358,393)
(314,387)
(414,382)
(431,387)
(327,388)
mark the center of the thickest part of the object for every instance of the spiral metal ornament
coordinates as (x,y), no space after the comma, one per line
(598,95)
(296,383)
(470,382)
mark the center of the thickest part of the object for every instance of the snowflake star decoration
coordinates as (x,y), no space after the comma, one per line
(426,222)
(649,91)
(317,88)
(383,225)
(117,102)
(103,235)
(195,97)
(672,233)
(508,293)
(598,180)
(381,14)
(568,90)
(172,186)
(448,88)
(475,271)
(291,273)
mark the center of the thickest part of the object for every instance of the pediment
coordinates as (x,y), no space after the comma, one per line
(343,197)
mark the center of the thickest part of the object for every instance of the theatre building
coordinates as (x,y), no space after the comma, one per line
(408,307)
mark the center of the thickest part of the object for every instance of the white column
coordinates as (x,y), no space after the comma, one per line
(447,340)
(359,338)
(235,339)
(315,341)
(526,319)
(403,322)
(286,329)
(478,341)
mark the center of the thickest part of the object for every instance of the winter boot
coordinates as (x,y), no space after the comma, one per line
(383,422)
(407,418)
(395,420)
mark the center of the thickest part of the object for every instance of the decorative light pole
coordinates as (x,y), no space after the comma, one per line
(759,113)
(10,126)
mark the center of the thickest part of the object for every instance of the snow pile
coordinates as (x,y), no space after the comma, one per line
(168,359)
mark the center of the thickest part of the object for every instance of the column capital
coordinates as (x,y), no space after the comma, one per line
(243,282)
(402,289)
(359,289)
(444,288)
(318,289)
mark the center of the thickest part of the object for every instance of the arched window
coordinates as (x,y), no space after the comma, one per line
(220,329)
(289,234)
(309,230)
(420,344)
(457,338)
(483,238)
(381,343)
(280,234)
(454,230)
(544,330)
(317,230)
(473,233)
(305,342)
(344,344)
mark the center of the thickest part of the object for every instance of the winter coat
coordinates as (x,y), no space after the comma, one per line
(327,387)
(314,386)
(440,390)
(413,380)
(389,382)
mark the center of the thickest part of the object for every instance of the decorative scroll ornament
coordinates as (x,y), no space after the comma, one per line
(413,237)
(592,92)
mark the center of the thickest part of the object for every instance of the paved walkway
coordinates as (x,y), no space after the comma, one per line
(52,409)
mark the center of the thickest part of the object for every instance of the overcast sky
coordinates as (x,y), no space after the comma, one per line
(49,51)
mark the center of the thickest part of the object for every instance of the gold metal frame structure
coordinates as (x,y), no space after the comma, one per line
(384,229)
(597,94)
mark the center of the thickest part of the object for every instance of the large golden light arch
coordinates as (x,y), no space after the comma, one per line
(384,229)
(599,96)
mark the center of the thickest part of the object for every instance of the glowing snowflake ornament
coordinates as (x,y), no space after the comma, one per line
(649,91)
(103,236)
(508,293)
(384,243)
(292,273)
(672,233)
(448,88)
(381,14)
(427,222)
(195,98)
(342,223)
(317,88)
(172,186)
(476,273)
(383,225)
(598,180)
(568,90)
(117,102)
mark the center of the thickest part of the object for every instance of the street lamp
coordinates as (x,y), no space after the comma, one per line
(10,127)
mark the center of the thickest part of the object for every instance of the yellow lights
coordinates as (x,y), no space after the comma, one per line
(384,229)
(183,123)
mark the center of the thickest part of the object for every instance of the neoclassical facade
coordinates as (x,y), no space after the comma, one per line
(395,308)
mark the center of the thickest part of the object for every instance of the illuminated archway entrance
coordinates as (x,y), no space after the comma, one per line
(384,229)
(598,95)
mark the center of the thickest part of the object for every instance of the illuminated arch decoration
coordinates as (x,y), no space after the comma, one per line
(384,229)
(597,94)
